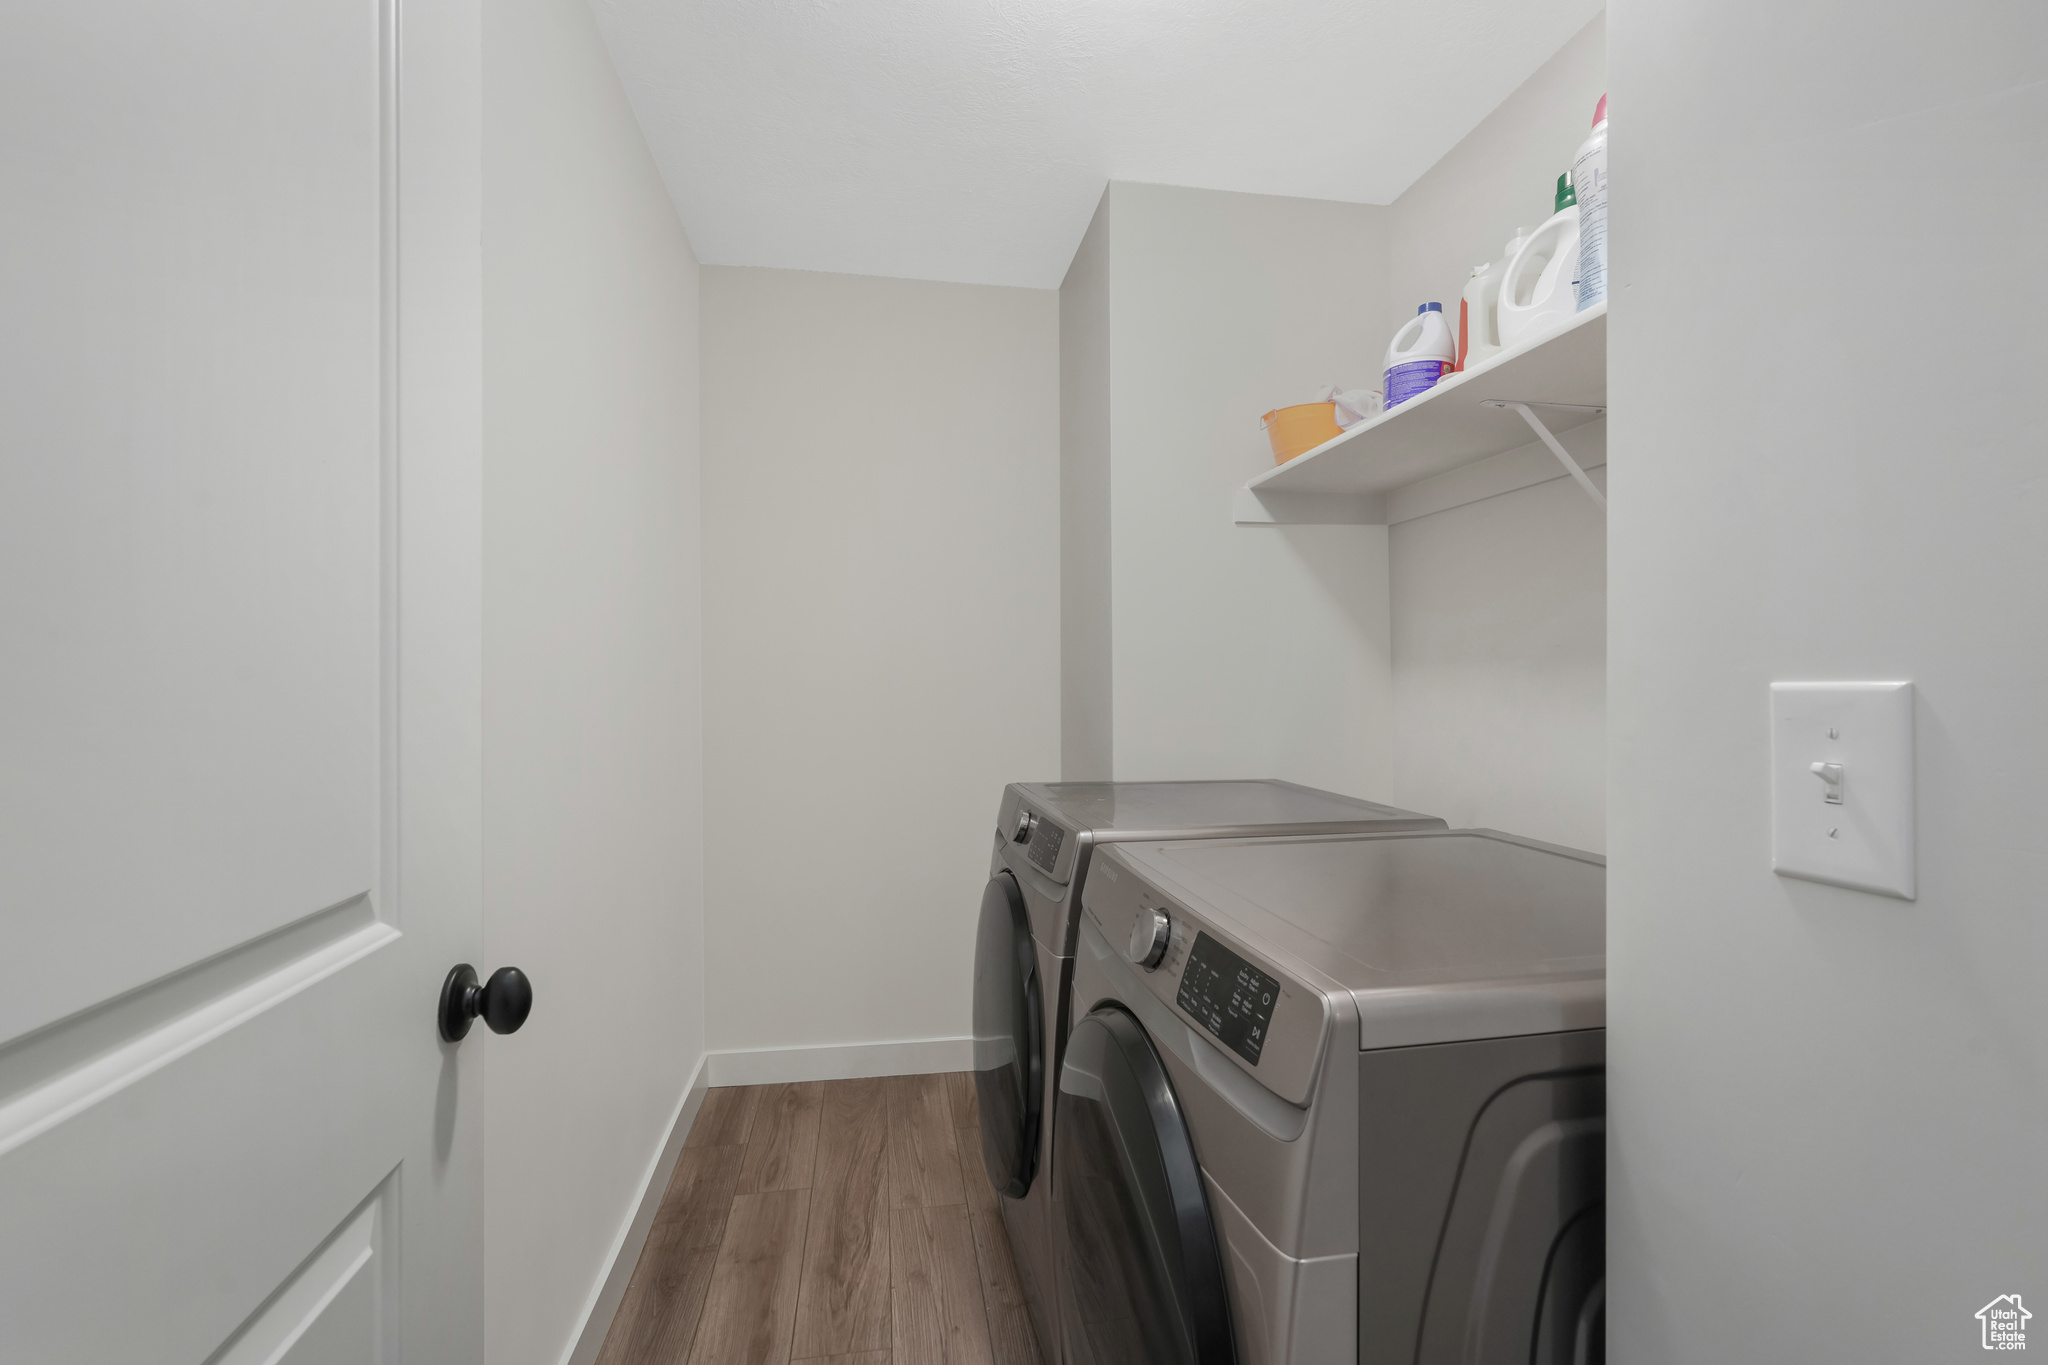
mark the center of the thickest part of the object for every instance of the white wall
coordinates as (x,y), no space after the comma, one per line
(1500,654)
(1499,607)
(1501,176)
(1087,708)
(592,750)
(1828,1108)
(1237,653)
(882,638)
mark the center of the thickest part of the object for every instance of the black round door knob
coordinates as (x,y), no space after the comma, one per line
(504,1001)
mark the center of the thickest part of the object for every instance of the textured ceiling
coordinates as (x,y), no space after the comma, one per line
(970,139)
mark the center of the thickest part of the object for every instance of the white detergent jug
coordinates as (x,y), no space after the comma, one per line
(1479,308)
(1539,289)
(1422,352)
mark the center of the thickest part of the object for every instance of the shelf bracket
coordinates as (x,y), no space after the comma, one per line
(1571,466)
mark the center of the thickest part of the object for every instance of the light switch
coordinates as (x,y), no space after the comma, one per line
(1842,784)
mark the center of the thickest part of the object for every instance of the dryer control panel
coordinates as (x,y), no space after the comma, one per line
(1228,996)
(1263,1017)
(1049,848)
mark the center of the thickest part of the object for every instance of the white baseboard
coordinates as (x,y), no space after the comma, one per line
(769,1065)
(605,1296)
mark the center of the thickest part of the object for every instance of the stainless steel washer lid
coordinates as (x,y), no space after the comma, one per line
(1437,936)
(1137,810)
(1050,823)
(1164,809)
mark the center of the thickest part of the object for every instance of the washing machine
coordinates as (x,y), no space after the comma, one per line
(1045,841)
(1335,1099)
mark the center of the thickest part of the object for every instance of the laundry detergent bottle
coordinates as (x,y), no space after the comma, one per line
(1422,352)
(1479,307)
(1539,289)
(1589,180)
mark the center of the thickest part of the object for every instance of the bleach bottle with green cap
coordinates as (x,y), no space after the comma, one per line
(1422,353)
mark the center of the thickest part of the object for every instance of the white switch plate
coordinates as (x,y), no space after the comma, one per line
(1866,840)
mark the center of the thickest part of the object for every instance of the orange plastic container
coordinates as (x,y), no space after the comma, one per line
(1301,427)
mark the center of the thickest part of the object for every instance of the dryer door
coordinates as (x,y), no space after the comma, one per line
(1009,1038)
(1140,1277)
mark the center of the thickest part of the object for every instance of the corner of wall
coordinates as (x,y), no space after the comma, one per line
(881,616)
(1236,652)
(592,727)
(1500,176)
(1087,737)
(1500,606)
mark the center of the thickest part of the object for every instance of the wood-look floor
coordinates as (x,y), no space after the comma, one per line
(840,1222)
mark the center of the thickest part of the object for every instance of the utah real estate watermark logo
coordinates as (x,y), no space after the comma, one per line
(2005,1323)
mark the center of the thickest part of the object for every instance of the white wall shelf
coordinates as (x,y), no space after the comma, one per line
(1468,418)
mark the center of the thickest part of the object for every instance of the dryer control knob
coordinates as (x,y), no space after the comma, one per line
(1150,932)
(1027,825)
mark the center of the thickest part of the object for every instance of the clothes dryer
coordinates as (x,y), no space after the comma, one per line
(1045,843)
(1357,1082)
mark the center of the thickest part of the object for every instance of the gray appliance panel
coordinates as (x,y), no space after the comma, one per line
(1029,1221)
(1045,899)
(1481,1173)
(1294,1032)
(1439,936)
(1086,814)
(1291,1171)
(1105,812)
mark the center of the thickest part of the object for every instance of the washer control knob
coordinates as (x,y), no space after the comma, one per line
(1027,824)
(1150,932)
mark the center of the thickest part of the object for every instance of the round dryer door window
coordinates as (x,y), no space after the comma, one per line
(1140,1275)
(1009,1038)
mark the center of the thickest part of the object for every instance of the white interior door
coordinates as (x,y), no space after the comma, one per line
(239,620)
